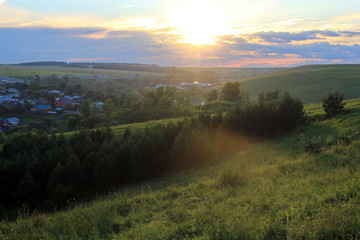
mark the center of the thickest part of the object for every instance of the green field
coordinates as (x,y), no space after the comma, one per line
(29,71)
(310,83)
(303,185)
(236,74)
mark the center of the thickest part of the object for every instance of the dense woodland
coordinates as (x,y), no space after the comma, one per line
(46,171)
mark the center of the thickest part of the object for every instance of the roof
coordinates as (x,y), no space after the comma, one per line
(12,90)
(55,91)
(13,119)
(66,100)
(43,107)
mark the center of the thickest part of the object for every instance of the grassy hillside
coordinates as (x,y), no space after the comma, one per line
(119,129)
(310,83)
(304,185)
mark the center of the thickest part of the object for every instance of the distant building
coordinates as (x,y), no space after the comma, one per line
(160,85)
(98,106)
(59,110)
(9,105)
(55,92)
(65,102)
(5,99)
(15,96)
(6,80)
(76,99)
(51,113)
(43,101)
(13,121)
(12,90)
(42,109)
(223,79)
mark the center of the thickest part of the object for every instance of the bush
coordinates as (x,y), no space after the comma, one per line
(269,117)
(333,104)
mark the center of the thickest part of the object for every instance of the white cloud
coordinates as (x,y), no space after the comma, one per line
(14,16)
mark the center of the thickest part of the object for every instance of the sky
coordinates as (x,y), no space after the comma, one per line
(214,33)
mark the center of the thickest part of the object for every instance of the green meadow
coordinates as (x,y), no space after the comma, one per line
(310,83)
(26,71)
(302,185)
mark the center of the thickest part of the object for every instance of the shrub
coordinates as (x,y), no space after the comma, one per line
(333,104)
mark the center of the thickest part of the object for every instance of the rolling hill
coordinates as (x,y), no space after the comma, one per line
(303,185)
(310,83)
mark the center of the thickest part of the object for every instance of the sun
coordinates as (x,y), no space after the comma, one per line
(199,22)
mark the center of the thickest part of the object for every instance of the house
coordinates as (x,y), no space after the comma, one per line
(42,109)
(160,85)
(15,96)
(53,113)
(6,80)
(13,121)
(12,90)
(223,79)
(65,102)
(5,99)
(99,106)
(9,105)
(43,101)
(76,99)
(55,92)
(59,110)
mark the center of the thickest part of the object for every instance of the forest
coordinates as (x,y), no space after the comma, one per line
(45,171)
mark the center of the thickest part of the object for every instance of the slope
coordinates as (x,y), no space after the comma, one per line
(304,185)
(310,83)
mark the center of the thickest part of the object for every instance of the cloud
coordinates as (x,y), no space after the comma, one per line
(350,33)
(160,47)
(287,37)
(14,16)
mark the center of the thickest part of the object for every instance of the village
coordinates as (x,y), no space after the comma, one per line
(16,100)
(25,101)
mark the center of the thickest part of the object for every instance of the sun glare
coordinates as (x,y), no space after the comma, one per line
(198,21)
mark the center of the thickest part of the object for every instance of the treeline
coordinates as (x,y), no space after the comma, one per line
(133,67)
(130,107)
(111,66)
(273,114)
(43,63)
(45,171)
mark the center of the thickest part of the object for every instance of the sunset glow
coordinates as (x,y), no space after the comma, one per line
(182,32)
(199,22)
